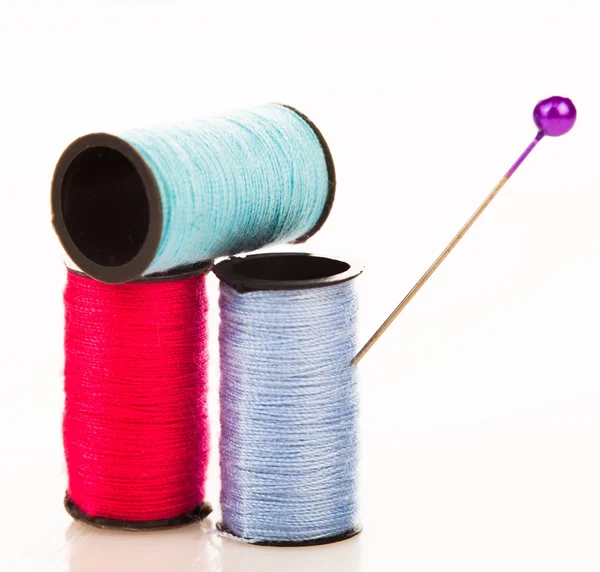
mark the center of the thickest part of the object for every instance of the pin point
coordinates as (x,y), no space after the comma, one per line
(554,117)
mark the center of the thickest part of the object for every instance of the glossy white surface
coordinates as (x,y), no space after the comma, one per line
(481,406)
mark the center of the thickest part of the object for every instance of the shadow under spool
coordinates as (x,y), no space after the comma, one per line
(286,271)
(107,209)
(199,512)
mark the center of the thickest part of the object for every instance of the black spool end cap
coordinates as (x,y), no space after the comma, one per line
(284,271)
(291,543)
(179,273)
(106,208)
(331,177)
(196,515)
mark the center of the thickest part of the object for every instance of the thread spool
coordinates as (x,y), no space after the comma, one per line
(152,200)
(135,425)
(288,399)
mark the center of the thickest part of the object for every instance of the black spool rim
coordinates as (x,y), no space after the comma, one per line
(265,271)
(331,177)
(137,265)
(291,543)
(179,273)
(195,515)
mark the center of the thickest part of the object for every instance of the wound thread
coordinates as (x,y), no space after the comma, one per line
(135,422)
(151,200)
(289,404)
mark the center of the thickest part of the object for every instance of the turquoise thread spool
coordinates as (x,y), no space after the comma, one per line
(152,200)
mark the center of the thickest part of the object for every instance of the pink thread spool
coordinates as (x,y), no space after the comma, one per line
(135,424)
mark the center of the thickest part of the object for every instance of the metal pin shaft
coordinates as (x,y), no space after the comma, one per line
(446,252)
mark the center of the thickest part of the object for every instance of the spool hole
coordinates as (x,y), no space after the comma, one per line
(104,206)
(285,267)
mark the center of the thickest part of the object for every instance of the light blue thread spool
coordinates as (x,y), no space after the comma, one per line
(152,200)
(288,399)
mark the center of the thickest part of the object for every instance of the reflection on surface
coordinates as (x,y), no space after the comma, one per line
(196,548)
(340,556)
(182,549)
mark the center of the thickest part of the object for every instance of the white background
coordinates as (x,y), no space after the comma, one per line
(481,406)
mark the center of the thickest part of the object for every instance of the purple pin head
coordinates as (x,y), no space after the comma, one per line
(555,116)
